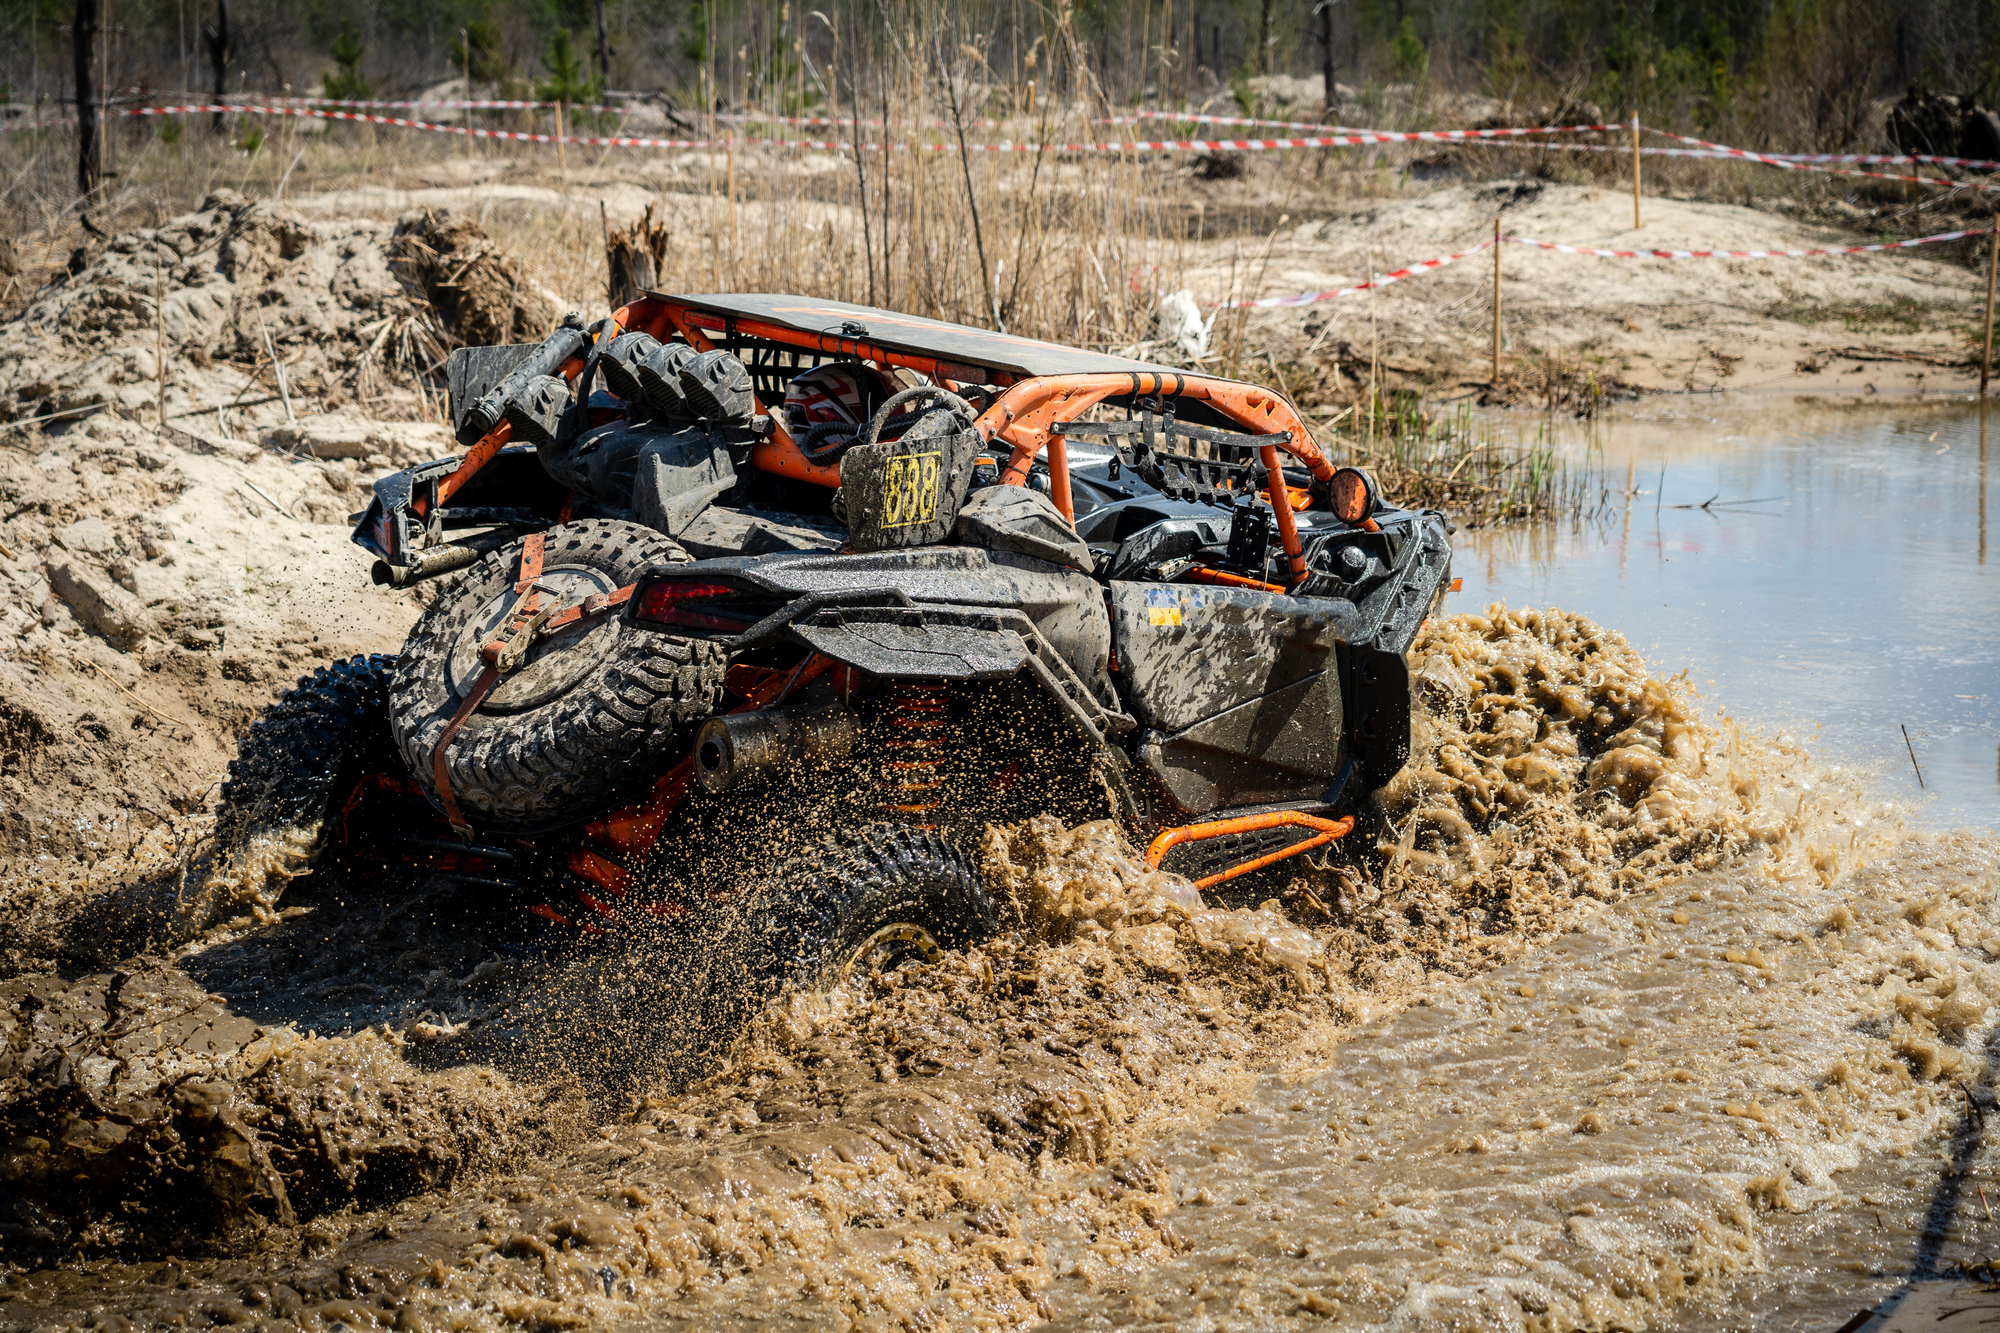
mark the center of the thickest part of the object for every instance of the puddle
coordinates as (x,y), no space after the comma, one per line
(1858,597)
(1706,1107)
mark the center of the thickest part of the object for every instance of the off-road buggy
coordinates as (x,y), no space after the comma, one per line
(777,601)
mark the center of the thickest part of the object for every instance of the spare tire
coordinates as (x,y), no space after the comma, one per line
(590,712)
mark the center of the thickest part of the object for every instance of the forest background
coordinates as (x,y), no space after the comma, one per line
(1800,74)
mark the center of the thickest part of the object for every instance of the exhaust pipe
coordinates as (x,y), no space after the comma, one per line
(436,560)
(739,750)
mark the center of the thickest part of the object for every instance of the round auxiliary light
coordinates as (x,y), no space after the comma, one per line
(1354,495)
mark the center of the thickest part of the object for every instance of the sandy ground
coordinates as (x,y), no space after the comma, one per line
(1861,324)
(1833,324)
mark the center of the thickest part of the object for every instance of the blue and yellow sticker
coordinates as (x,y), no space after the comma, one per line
(1170,606)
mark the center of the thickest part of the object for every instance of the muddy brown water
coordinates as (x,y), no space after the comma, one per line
(1616,1016)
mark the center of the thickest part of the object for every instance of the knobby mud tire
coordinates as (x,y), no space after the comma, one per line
(803,921)
(573,753)
(301,756)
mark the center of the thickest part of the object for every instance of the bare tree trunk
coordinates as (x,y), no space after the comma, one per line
(633,256)
(1326,57)
(218,57)
(89,150)
(603,46)
(1264,37)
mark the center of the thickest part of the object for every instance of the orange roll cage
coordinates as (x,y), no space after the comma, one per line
(1025,417)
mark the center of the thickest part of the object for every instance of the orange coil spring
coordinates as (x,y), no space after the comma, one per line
(913,772)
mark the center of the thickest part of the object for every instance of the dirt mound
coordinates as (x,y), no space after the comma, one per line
(158,583)
(482,294)
(138,1111)
(193,312)
(200,313)
(154,596)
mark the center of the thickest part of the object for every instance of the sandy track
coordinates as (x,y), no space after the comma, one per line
(1886,320)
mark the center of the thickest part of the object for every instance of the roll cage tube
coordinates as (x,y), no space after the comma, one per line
(1026,414)
(776,453)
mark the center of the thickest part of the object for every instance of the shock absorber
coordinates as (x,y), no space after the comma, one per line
(914,766)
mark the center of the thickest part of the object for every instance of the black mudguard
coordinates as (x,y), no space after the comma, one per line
(511,489)
(1239,692)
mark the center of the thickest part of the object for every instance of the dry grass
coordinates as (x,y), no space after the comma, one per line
(1455,463)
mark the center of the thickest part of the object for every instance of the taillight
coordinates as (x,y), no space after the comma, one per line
(693,606)
(655,598)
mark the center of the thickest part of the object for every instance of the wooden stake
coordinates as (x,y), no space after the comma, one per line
(610,269)
(465,45)
(160,336)
(1496,301)
(733,245)
(1636,224)
(562,149)
(1992,264)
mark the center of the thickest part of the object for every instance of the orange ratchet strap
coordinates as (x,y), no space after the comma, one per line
(525,623)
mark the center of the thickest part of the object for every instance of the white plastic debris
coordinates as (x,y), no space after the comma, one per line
(1180,323)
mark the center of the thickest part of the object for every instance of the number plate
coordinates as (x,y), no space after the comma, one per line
(912,488)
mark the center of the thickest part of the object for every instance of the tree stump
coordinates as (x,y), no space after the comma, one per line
(632,258)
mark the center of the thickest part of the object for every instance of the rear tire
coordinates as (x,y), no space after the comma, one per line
(304,754)
(884,896)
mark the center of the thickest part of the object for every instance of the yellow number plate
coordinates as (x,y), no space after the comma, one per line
(912,489)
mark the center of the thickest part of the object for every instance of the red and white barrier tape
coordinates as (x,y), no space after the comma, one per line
(1137,117)
(1378,281)
(1197,118)
(836,146)
(1893,160)
(471,131)
(846,123)
(1788,162)
(1748,254)
(1526,137)
(449,104)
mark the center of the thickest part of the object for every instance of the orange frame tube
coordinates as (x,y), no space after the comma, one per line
(1327,831)
(1026,416)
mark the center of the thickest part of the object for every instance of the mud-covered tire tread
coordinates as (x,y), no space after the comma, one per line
(800,915)
(306,751)
(574,753)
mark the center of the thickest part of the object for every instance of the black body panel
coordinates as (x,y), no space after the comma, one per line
(1239,691)
(1067,607)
